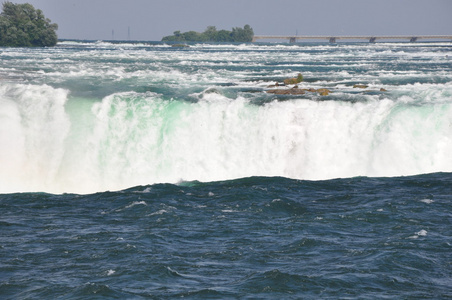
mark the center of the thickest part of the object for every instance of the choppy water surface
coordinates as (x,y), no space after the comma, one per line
(148,171)
(249,238)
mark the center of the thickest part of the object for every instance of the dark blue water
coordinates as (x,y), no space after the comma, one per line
(251,238)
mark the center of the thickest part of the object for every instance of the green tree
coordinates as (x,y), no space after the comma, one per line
(176,37)
(211,34)
(223,36)
(21,25)
(194,36)
(249,33)
(242,35)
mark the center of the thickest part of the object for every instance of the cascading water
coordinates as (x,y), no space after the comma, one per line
(81,119)
(127,139)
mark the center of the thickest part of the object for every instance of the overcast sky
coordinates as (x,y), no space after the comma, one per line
(150,20)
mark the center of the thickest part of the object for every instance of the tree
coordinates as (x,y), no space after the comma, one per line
(21,25)
(211,34)
(176,37)
(248,32)
(223,36)
(194,36)
(242,35)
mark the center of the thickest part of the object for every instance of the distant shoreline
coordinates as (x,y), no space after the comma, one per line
(259,42)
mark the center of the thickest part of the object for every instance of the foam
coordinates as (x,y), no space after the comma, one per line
(33,145)
(105,134)
(427,201)
(131,139)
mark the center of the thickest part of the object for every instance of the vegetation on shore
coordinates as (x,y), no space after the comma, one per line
(211,34)
(21,25)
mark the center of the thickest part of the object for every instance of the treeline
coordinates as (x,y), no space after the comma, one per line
(211,34)
(21,25)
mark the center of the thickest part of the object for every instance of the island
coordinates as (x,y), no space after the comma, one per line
(211,34)
(21,25)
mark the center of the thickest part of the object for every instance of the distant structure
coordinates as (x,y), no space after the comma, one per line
(128,33)
(371,39)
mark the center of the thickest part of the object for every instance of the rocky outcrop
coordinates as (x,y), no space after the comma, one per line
(284,89)
(294,91)
(298,91)
(323,92)
(365,86)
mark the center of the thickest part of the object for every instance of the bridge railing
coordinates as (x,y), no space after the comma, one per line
(371,39)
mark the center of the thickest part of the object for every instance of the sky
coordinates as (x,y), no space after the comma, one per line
(150,20)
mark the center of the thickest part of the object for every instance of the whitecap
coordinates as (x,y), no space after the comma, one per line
(428,201)
(136,203)
(418,234)
(421,233)
(160,212)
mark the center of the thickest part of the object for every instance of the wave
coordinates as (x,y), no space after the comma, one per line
(55,142)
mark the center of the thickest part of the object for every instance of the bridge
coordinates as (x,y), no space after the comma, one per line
(371,39)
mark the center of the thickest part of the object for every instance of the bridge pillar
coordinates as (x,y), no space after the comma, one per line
(372,40)
(332,40)
(413,39)
(292,40)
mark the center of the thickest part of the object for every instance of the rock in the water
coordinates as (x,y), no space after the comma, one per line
(278,92)
(296,91)
(323,92)
(294,80)
(360,86)
(286,91)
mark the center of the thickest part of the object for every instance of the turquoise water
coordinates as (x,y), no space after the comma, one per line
(140,170)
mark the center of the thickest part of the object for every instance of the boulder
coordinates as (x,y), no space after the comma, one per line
(296,91)
(323,92)
(360,86)
(286,91)
(278,92)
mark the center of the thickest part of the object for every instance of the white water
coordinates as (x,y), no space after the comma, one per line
(56,143)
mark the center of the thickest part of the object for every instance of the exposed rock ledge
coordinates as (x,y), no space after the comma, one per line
(283,89)
(297,91)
